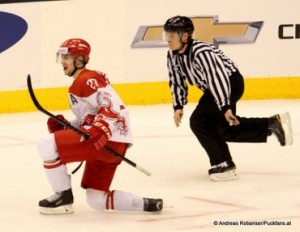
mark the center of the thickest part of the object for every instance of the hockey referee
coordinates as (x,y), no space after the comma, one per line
(214,121)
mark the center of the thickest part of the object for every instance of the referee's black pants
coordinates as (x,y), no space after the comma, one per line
(213,131)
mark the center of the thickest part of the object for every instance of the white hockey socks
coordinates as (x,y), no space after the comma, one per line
(57,176)
(115,200)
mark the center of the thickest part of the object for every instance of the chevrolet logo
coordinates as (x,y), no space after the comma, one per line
(206,29)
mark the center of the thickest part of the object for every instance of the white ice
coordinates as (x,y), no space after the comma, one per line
(266,192)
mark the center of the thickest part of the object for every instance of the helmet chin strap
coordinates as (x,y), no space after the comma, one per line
(76,68)
(73,72)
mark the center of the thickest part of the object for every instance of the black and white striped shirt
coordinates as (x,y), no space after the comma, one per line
(202,65)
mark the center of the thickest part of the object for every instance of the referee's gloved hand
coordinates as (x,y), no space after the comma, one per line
(99,134)
(53,125)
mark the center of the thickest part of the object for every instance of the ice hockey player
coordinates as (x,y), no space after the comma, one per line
(101,113)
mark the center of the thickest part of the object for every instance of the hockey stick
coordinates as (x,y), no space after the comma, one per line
(84,135)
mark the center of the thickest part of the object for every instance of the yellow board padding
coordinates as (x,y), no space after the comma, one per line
(148,93)
(20,101)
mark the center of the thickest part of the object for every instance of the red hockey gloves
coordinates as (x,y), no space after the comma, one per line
(99,134)
(53,125)
(87,120)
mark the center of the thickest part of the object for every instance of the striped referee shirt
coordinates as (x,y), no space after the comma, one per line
(202,65)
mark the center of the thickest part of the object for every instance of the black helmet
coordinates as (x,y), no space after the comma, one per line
(179,24)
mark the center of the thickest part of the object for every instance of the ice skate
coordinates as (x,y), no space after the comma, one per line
(281,127)
(59,203)
(153,205)
(224,171)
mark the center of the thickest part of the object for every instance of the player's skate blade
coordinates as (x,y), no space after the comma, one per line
(65,209)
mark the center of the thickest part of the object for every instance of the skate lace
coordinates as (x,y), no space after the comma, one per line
(54,197)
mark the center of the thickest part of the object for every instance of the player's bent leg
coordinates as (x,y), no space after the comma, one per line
(96,199)
(47,147)
(115,200)
(121,201)
(56,172)
(61,202)
(127,201)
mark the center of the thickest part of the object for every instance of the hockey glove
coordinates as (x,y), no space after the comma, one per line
(87,120)
(53,125)
(99,134)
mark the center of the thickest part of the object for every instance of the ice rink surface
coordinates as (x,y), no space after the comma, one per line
(266,193)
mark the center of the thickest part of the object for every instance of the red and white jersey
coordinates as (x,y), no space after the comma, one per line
(92,94)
